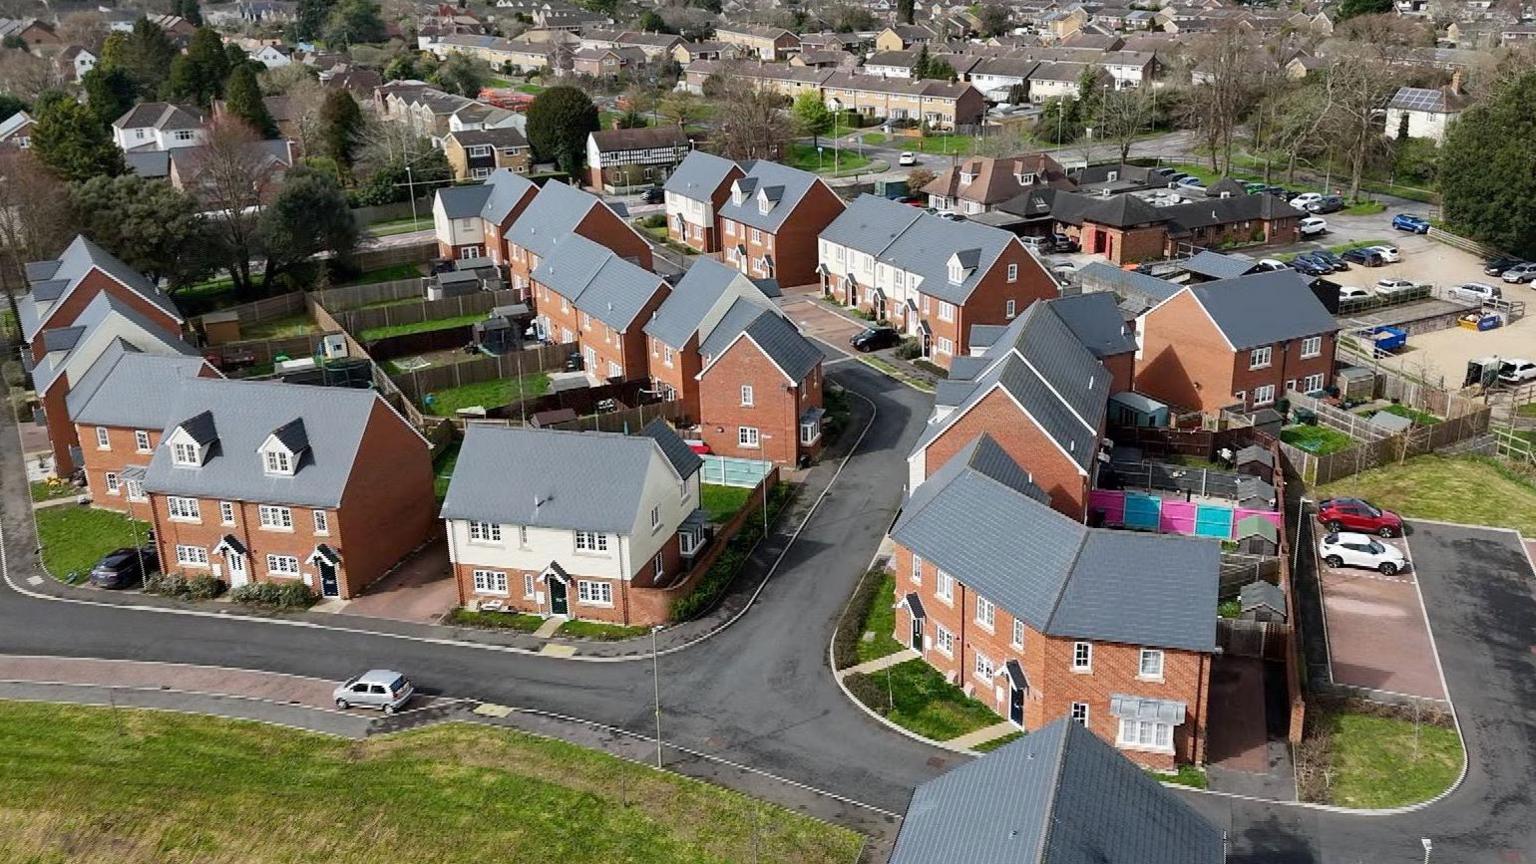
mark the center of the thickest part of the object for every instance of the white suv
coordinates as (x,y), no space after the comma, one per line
(1477,292)
(1344,549)
(1312,225)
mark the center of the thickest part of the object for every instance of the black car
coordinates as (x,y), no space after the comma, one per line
(1338,264)
(654,195)
(875,338)
(123,567)
(1328,204)
(1497,266)
(1365,257)
(1063,243)
(1310,266)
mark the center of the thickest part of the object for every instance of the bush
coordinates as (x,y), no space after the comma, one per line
(835,400)
(910,348)
(931,367)
(871,691)
(723,572)
(204,587)
(273,595)
(850,628)
(657,220)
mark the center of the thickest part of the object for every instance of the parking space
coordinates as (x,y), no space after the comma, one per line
(819,322)
(1378,636)
(421,589)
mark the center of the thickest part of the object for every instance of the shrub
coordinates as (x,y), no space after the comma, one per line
(870,690)
(850,628)
(167,585)
(205,587)
(723,572)
(910,348)
(295,595)
(931,367)
(658,220)
(287,595)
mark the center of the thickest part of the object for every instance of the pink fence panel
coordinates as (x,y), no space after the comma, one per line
(1272,516)
(1178,517)
(1110,502)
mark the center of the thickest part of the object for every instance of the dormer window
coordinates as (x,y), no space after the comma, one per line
(185,453)
(966,178)
(956,272)
(738,195)
(279,462)
(1026,179)
(763,204)
(191,441)
(280,452)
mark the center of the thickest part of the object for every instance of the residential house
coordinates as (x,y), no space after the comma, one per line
(764,43)
(559,211)
(158,126)
(267,482)
(75,61)
(16,131)
(1099,325)
(688,52)
(475,154)
(997,77)
(624,160)
(1056,81)
(580,525)
(586,294)
(898,37)
(688,317)
(1041,395)
(1059,794)
(185,168)
(932,278)
(980,183)
(694,193)
(500,53)
(760,389)
(472,221)
(119,408)
(1425,113)
(1235,343)
(1031,613)
(33,33)
(769,226)
(607,63)
(936,104)
(781,78)
(273,55)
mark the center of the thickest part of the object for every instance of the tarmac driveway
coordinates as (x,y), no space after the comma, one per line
(1378,637)
(421,589)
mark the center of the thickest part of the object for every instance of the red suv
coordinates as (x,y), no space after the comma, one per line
(1355,514)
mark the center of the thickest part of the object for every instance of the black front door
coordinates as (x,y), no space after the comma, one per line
(917,635)
(1015,704)
(328,586)
(557,602)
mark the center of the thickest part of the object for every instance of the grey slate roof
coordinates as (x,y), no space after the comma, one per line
(463,202)
(129,388)
(597,281)
(770,331)
(1096,322)
(103,308)
(507,188)
(73,264)
(699,291)
(1215,265)
(1059,795)
(677,451)
(1060,577)
(699,175)
(552,215)
(586,481)
(1264,308)
(242,414)
(149,164)
(783,185)
(1261,593)
(984,335)
(1104,276)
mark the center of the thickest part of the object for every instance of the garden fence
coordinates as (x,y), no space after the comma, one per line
(356,321)
(265,309)
(1315,470)
(352,296)
(541,358)
(731,471)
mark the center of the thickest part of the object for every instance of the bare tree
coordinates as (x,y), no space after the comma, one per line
(28,76)
(34,217)
(1388,37)
(752,123)
(85,28)
(1124,114)
(233,176)
(305,96)
(1355,89)
(1224,65)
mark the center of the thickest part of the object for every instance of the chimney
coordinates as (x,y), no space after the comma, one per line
(1456,82)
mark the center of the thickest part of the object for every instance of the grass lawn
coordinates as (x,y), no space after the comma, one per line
(722,502)
(804,157)
(75,538)
(881,620)
(47,490)
(495,620)
(280,328)
(400,226)
(530,89)
(1466,489)
(989,746)
(454,792)
(1185,775)
(874,139)
(599,630)
(1316,439)
(375,333)
(1422,418)
(919,699)
(1381,762)
(442,469)
(1364,208)
(1527,410)
(945,145)
(489,394)
(499,83)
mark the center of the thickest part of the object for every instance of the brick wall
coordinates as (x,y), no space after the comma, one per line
(122,453)
(635,601)
(680,376)
(1184,359)
(209,529)
(388,508)
(95,282)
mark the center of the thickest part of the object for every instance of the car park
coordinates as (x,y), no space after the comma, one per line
(1388,254)
(1393,288)
(1317,261)
(1365,257)
(1516,371)
(907,158)
(1191,183)
(1519,274)
(1312,225)
(1338,264)
(1496,266)
(1351,293)
(1477,292)
(1175,177)
(1346,549)
(1310,266)
(1301,201)
(123,567)
(1358,514)
(1410,223)
(1163,172)
(874,338)
(1326,204)
(383,689)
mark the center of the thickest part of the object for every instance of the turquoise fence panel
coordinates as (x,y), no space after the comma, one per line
(730,471)
(1142,511)
(1214,521)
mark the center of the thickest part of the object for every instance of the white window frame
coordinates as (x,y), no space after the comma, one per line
(1018,633)
(944,587)
(749,437)
(655,517)
(659,565)
(1079,712)
(1082,657)
(984,668)
(943,640)
(191,556)
(591,542)
(490,582)
(484,532)
(1013,272)
(946,310)
(748,396)
(226,512)
(1142,663)
(278,565)
(141,441)
(278,462)
(530,584)
(135,490)
(1264,394)
(594,593)
(917,570)
(103,438)
(1012,310)
(322,521)
(986,613)
(113,487)
(185,453)
(1148,735)
(1312,346)
(179,509)
(275,518)
(1260,358)
(1312,383)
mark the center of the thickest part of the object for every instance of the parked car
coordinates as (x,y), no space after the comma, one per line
(1310,266)
(1301,201)
(1338,264)
(1317,261)
(1350,292)
(1345,549)
(654,195)
(1497,266)
(1516,371)
(1366,257)
(1312,225)
(1255,188)
(1358,514)
(1519,274)
(1064,243)
(1175,177)
(1477,292)
(1410,223)
(907,157)
(952,217)
(1388,254)
(123,567)
(1191,183)
(1163,171)
(1393,287)
(1326,204)
(1272,264)
(376,688)
(874,338)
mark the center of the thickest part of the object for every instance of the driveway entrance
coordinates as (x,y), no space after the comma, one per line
(421,589)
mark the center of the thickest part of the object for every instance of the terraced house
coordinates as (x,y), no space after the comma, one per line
(560,211)
(267,482)
(935,104)
(932,278)
(587,294)
(586,525)
(769,226)
(1030,612)
(472,221)
(693,197)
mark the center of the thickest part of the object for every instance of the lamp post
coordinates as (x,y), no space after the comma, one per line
(410,190)
(656,683)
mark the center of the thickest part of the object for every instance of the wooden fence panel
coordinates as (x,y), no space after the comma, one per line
(265,309)
(542,358)
(352,296)
(357,320)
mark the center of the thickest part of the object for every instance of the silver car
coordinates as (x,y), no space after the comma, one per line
(376,688)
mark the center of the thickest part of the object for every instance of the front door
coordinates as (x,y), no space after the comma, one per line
(917,635)
(328,584)
(237,571)
(557,601)
(1015,704)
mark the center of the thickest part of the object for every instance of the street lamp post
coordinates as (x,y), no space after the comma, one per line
(656,683)
(410,190)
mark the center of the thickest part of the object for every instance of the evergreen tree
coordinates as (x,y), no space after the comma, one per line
(904,10)
(189,10)
(354,21)
(309,20)
(559,121)
(10,105)
(242,98)
(309,216)
(109,92)
(72,143)
(146,54)
(198,75)
(341,121)
(151,225)
(1487,169)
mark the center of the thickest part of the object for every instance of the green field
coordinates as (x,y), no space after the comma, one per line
(422,222)
(136,787)
(598,630)
(74,538)
(1467,489)
(1318,440)
(373,334)
(488,394)
(804,157)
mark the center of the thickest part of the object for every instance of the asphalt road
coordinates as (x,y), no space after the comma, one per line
(761,693)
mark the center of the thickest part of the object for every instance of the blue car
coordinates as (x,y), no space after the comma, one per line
(1411,224)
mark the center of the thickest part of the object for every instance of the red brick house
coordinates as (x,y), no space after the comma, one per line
(119,409)
(1040,394)
(695,192)
(1236,343)
(586,294)
(980,183)
(268,482)
(59,290)
(470,221)
(558,211)
(696,308)
(760,391)
(1096,321)
(1048,619)
(581,525)
(770,223)
(932,278)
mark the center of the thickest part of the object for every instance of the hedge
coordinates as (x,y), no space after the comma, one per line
(723,572)
(850,628)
